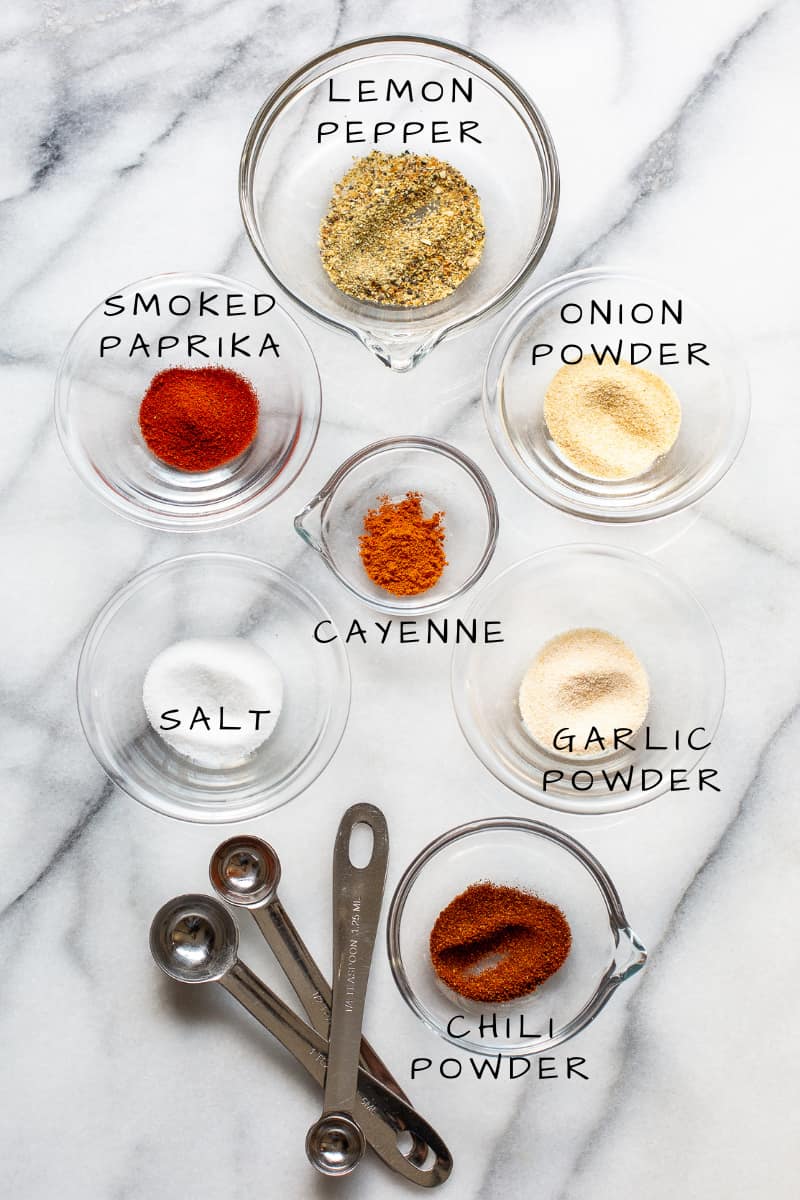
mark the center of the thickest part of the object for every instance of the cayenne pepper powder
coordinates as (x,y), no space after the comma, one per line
(197,418)
(494,943)
(403,550)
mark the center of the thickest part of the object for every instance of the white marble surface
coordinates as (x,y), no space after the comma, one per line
(123,126)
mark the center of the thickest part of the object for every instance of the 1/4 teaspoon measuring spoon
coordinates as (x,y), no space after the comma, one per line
(194,939)
(335,1143)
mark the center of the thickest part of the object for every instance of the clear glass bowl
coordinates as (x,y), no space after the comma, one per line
(97,403)
(628,595)
(534,857)
(287,177)
(715,399)
(450,482)
(212,595)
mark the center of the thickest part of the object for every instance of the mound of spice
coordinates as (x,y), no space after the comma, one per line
(585,681)
(214,700)
(401,549)
(197,418)
(494,943)
(611,420)
(403,229)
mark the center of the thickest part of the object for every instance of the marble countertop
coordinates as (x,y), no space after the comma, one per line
(124,125)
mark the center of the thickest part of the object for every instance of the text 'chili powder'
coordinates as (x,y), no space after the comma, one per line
(494,943)
(197,418)
(403,550)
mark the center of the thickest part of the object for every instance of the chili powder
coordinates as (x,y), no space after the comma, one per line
(494,943)
(197,418)
(403,550)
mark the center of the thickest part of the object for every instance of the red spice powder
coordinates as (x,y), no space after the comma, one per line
(197,418)
(403,550)
(494,943)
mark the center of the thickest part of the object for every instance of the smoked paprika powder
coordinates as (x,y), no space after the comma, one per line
(197,418)
(494,943)
(401,549)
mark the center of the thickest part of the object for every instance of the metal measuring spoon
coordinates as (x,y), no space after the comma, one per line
(194,939)
(245,871)
(335,1143)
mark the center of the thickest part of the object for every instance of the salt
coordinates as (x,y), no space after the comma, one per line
(213,700)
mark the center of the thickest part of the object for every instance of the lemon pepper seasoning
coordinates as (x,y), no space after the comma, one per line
(402,229)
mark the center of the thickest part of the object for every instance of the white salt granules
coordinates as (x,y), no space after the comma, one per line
(213,700)
(582,681)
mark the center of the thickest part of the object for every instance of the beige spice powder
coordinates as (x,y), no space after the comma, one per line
(611,421)
(401,229)
(583,680)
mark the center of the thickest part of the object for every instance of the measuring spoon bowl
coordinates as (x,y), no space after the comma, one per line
(335,1144)
(245,871)
(193,939)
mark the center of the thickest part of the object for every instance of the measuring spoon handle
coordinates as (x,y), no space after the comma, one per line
(357,897)
(295,960)
(382,1114)
(310,985)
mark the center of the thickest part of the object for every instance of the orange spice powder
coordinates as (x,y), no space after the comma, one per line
(403,550)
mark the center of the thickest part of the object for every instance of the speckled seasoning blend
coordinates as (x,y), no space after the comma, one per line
(402,229)
(494,943)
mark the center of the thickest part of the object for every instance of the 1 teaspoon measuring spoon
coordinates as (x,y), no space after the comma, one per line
(335,1143)
(194,939)
(245,871)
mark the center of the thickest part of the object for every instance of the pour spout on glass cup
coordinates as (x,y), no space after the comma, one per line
(630,956)
(400,351)
(308,523)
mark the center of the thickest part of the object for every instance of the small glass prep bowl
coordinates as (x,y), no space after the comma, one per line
(287,177)
(537,858)
(212,595)
(715,399)
(450,482)
(602,587)
(97,400)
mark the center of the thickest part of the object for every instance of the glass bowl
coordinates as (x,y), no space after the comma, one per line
(715,399)
(626,594)
(97,399)
(450,482)
(537,858)
(287,177)
(212,595)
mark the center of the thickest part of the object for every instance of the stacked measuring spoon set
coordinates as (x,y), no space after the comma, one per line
(194,939)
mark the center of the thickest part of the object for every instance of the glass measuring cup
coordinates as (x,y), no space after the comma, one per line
(449,482)
(292,158)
